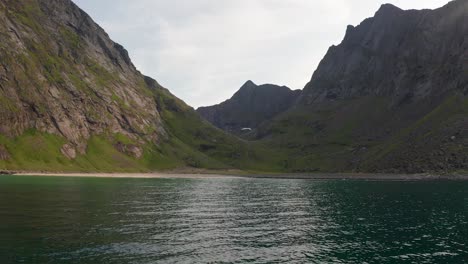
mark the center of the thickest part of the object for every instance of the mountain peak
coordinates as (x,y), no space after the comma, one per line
(388,9)
(250,106)
(249,84)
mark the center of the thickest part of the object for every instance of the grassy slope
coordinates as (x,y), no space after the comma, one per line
(427,143)
(367,135)
(38,151)
(319,140)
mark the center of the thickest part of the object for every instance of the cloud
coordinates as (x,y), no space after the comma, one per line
(204,50)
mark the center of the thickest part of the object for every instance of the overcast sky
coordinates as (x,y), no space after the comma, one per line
(204,50)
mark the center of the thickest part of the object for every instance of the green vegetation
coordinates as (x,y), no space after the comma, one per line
(6,105)
(102,76)
(430,128)
(33,151)
(71,38)
(38,151)
(28,13)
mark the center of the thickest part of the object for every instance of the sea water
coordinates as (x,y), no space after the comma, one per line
(231,220)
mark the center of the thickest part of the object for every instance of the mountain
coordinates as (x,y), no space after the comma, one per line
(392,97)
(61,74)
(71,100)
(249,107)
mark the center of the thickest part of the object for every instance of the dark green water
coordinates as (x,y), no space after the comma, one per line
(85,220)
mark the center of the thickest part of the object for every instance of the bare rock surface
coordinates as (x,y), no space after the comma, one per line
(60,73)
(408,55)
(4,155)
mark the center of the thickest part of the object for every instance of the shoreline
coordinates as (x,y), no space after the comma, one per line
(155,175)
(238,174)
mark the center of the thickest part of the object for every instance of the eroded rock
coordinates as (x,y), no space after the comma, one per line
(129,149)
(68,151)
(4,155)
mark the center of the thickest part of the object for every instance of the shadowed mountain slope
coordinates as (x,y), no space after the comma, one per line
(392,97)
(250,106)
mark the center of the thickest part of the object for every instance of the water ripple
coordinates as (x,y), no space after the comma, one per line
(232,221)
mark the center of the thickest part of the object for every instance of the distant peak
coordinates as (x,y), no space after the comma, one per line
(388,8)
(349,29)
(248,84)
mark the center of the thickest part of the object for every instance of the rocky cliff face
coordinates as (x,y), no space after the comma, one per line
(392,97)
(61,74)
(407,55)
(249,107)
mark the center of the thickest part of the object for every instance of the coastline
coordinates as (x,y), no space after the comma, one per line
(154,175)
(202,174)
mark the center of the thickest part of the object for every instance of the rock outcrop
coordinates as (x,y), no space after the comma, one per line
(4,155)
(250,106)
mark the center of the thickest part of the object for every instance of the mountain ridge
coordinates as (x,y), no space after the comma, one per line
(375,37)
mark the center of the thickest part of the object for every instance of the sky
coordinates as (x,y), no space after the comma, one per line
(204,50)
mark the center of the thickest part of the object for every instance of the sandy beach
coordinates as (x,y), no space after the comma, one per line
(126,175)
(228,174)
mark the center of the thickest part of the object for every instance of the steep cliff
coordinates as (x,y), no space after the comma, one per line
(61,74)
(249,106)
(407,55)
